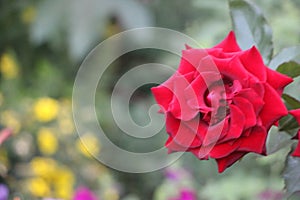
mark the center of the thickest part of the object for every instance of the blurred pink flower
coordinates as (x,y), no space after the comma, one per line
(4,134)
(186,194)
(83,193)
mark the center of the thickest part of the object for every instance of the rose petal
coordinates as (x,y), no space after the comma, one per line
(277,80)
(254,63)
(257,86)
(215,132)
(233,69)
(216,52)
(224,149)
(195,92)
(253,98)
(229,160)
(172,146)
(179,105)
(181,133)
(163,93)
(190,60)
(187,46)
(236,125)
(273,109)
(229,44)
(297,150)
(201,152)
(197,126)
(296,114)
(247,110)
(255,142)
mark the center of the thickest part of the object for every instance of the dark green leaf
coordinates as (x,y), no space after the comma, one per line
(292,69)
(251,27)
(286,55)
(288,123)
(291,102)
(291,175)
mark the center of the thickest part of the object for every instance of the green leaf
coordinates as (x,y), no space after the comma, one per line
(285,55)
(251,27)
(292,102)
(288,124)
(277,140)
(292,69)
(291,175)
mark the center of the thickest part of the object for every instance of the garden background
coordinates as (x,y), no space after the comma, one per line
(42,45)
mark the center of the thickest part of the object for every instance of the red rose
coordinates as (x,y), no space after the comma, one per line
(221,102)
(296,114)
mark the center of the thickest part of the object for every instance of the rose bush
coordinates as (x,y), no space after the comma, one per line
(221,102)
(296,114)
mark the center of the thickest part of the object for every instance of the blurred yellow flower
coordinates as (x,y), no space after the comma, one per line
(63,183)
(64,192)
(28,15)
(46,109)
(8,66)
(88,145)
(47,141)
(64,176)
(11,120)
(38,187)
(44,167)
(59,178)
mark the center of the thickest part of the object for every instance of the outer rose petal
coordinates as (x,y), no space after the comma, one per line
(297,150)
(182,134)
(229,44)
(296,114)
(190,60)
(227,161)
(179,106)
(163,93)
(224,149)
(273,109)
(277,81)
(172,146)
(254,63)
(255,142)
